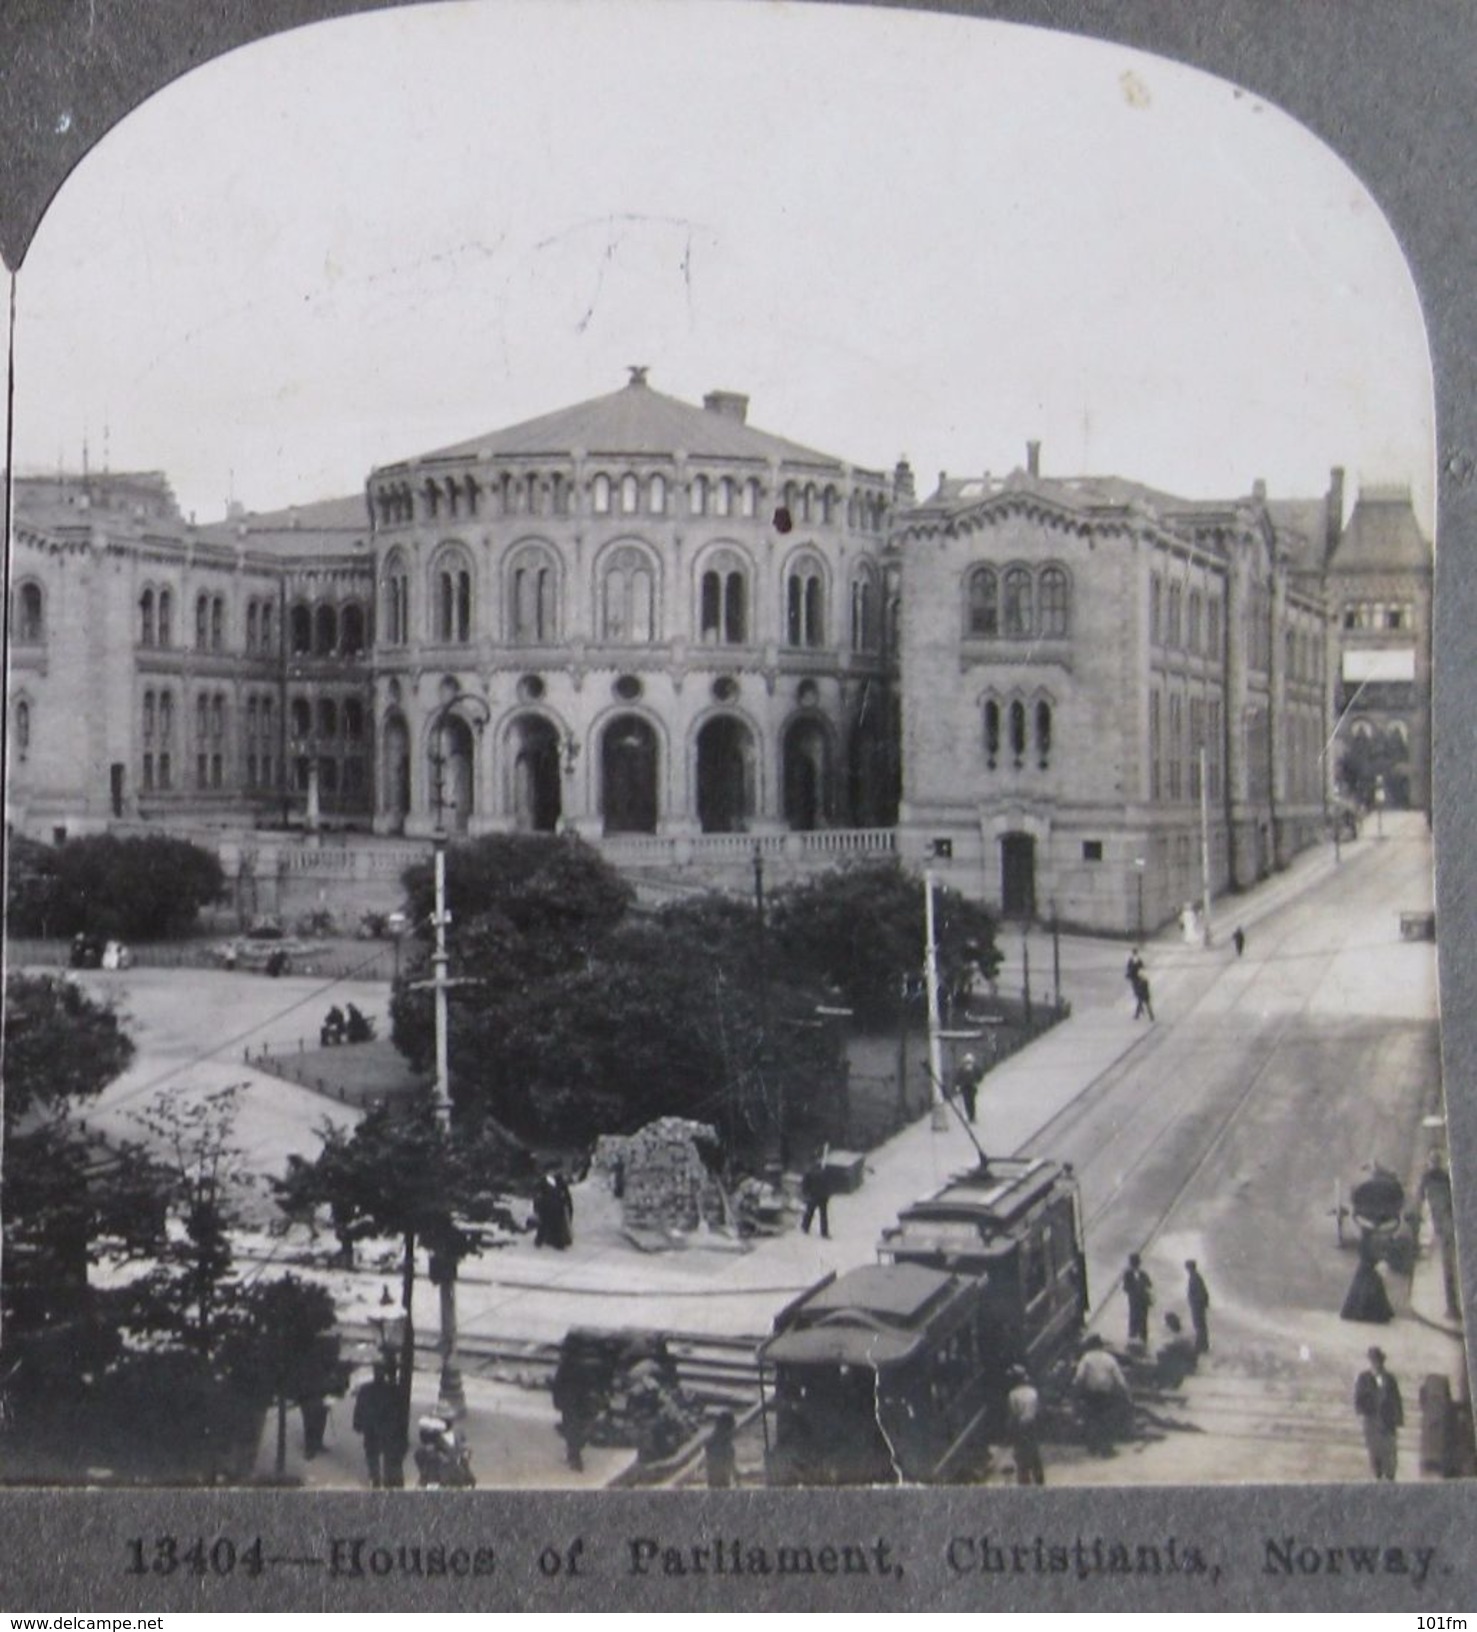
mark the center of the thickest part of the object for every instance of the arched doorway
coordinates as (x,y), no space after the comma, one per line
(395,795)
(537,795)
(807,776)
(628,776)
(1018,875)
(452,762)
(725,754)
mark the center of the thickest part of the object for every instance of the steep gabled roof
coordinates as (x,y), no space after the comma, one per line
(326,527)
(636,422)
(1383,535)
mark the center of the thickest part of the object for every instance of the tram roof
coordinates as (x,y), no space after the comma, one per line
(996,1197)
(876,1315)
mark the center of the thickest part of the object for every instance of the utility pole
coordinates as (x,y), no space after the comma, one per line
(781,1112)
(931,980)
(1205,848)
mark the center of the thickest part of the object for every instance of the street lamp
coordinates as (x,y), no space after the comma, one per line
(453,1397)
(1379,807)
(1138,866)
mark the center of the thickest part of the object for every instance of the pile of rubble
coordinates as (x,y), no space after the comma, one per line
(665,1187)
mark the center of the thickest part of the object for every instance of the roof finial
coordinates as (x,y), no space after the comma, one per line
(637,371)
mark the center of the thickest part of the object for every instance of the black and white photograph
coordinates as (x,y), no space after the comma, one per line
(719,778)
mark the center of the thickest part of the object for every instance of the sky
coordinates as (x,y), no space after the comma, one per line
(899,234)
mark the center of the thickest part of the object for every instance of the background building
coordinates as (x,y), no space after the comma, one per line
(680,636)
(1095,673)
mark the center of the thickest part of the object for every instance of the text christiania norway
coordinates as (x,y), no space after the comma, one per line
(1082,1556)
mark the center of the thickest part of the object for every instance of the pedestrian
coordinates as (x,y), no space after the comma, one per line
(442,1461)
(551,1214)
(315,1424)
(378,1417)
(1133,971)
(1238,939)
(1367,1299)
(815,1191)
(967,1084)
(1436,1193)
(1377,1400)
(1102,1396)
(1143,1000)
(580,1396)
(1197,1295)
(566,1206)
(1139,1290)
(1023,1419)
(720,1457)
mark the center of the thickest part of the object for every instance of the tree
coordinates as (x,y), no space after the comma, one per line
(859,931)
(285,1349)
(30,886)
(1374,757)
(61,1046)
(143,888)
(402,1175)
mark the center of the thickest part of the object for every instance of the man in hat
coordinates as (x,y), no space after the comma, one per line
(1023,1414)
(1197,1295)
(1377,1401)
(1139,1290)
(967,1084)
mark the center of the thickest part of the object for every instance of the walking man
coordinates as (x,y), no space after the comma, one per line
(1238,940)
(1377,1400)
(1139,1290)
(1197,1295)
(377,1418)
(816,1193)
(1023,1413)
(1143,1003)
(1133,972)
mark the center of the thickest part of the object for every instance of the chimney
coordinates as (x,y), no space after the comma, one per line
(903,489)
(1033,458)
(1334,511)
(731,404)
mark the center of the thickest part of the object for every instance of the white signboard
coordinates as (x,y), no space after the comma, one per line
(1386,665)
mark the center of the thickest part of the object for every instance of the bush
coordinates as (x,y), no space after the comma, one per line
(138,889)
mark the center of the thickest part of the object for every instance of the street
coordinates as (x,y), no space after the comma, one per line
(1224,1132)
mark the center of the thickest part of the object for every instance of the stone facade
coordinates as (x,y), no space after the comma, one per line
(1070,648)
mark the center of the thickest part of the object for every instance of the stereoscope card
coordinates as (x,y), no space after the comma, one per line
(737,806)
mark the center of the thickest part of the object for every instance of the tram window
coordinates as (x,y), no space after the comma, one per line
(1035,1268)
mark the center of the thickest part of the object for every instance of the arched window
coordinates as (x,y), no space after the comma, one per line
(202,622)
(532,599)
(302,717)
(630,495)
(1019,624)
(656,495)
(327,717)
(724,609)
(1176,602)
(202,717)
(750,497)
(149,716)
(1018,733)
(600,495)
(217,716)
(828,506)
(1055,624)
(251,625)
(804,616)
(325,630)
(453,598)
(984,603)
(628,597)
(353,719)
(1155,593)
(397,600)
(992,733)
(1043,733)
(166,718)
(166,618)
(1197,615)
(723,498)
(863,614)
(30,620)
(22,728)
(698,496)
(351,630)
(217,624)
(146,618)
(301,632)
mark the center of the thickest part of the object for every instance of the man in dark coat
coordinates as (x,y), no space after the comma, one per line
(379,1418)
(815,1191)
(967,1084)
(1197,1295)
(1139,1290)
(1377,1401)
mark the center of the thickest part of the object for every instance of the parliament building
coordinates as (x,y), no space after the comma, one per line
(689,640)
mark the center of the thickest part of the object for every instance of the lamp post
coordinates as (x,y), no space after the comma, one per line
(453,1399)
(1138,866)
(781,1105)
(1379,807)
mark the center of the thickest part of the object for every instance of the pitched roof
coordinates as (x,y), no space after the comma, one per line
(638,422)
(326,527)
(1383,535)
